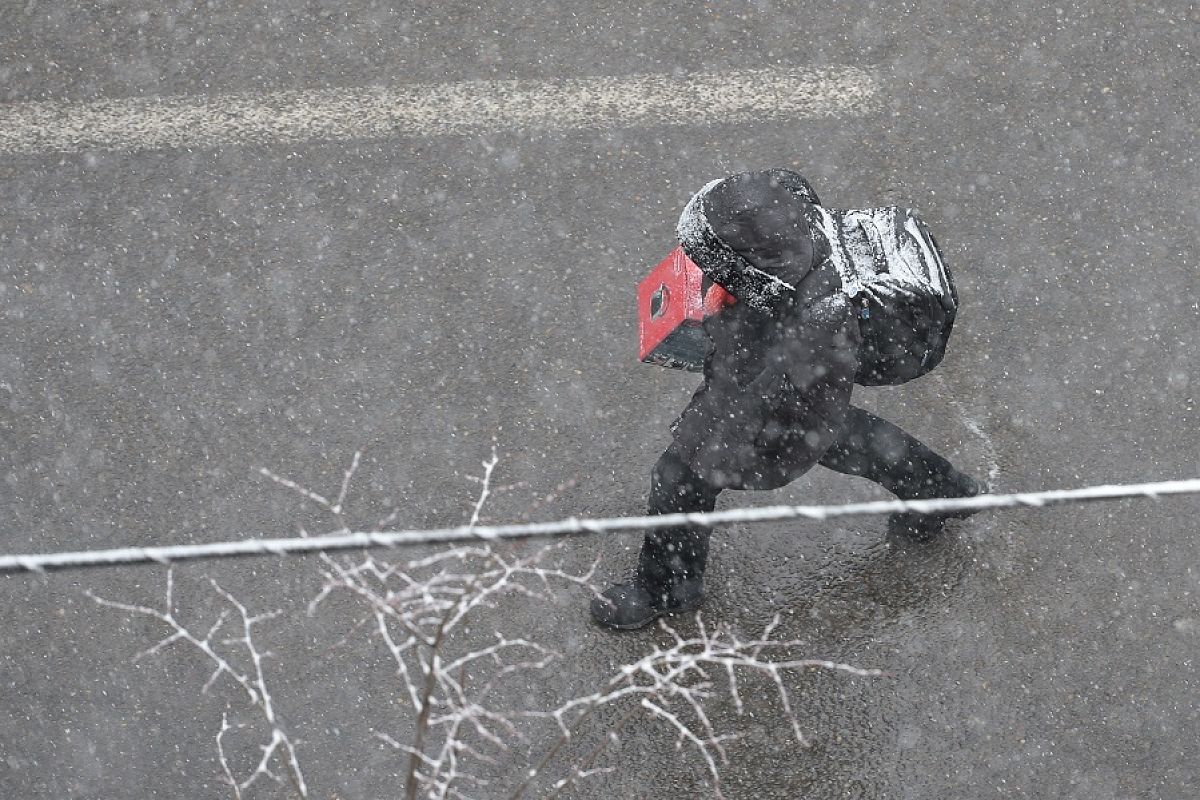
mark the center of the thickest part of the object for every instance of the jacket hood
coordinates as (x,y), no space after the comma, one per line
(752,233)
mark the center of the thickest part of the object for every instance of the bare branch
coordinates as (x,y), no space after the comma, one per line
(255,687)
(485,486)
(685,732)
(233,784)
(425,612)
(336,508)
(301,490)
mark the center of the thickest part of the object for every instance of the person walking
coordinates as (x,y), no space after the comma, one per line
(826,299)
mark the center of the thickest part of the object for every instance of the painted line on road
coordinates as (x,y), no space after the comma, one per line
(434,109)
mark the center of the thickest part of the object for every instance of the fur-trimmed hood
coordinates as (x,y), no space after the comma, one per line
(757,234)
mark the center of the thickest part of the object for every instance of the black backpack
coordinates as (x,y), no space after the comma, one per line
(892,268)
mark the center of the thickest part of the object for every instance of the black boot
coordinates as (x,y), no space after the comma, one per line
(631,605)
(670,572)
(914,527)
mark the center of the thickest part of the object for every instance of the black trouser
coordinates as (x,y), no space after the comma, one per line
(869,447)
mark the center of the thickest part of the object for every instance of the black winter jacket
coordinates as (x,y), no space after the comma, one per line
(784,359)
(776,388)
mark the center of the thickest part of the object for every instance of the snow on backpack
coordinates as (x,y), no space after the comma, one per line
(892,267)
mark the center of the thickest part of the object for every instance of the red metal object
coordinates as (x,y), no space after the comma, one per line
(672,302)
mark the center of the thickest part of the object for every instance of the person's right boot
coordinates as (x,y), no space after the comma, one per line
(915,527)
(633,604)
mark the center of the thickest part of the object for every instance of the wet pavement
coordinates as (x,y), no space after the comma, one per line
(173,320)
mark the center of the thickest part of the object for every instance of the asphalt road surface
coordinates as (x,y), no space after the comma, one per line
(221,282)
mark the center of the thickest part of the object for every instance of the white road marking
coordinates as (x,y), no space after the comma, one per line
(433,109)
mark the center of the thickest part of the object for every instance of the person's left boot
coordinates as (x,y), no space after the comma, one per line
(927,527)
(632,604)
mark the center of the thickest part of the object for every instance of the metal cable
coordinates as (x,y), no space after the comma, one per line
(349,540)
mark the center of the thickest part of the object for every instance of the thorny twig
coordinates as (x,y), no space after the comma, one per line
(253,683)
(336,507)
(419,606)
(681,674)
(435,678)
(485,487)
